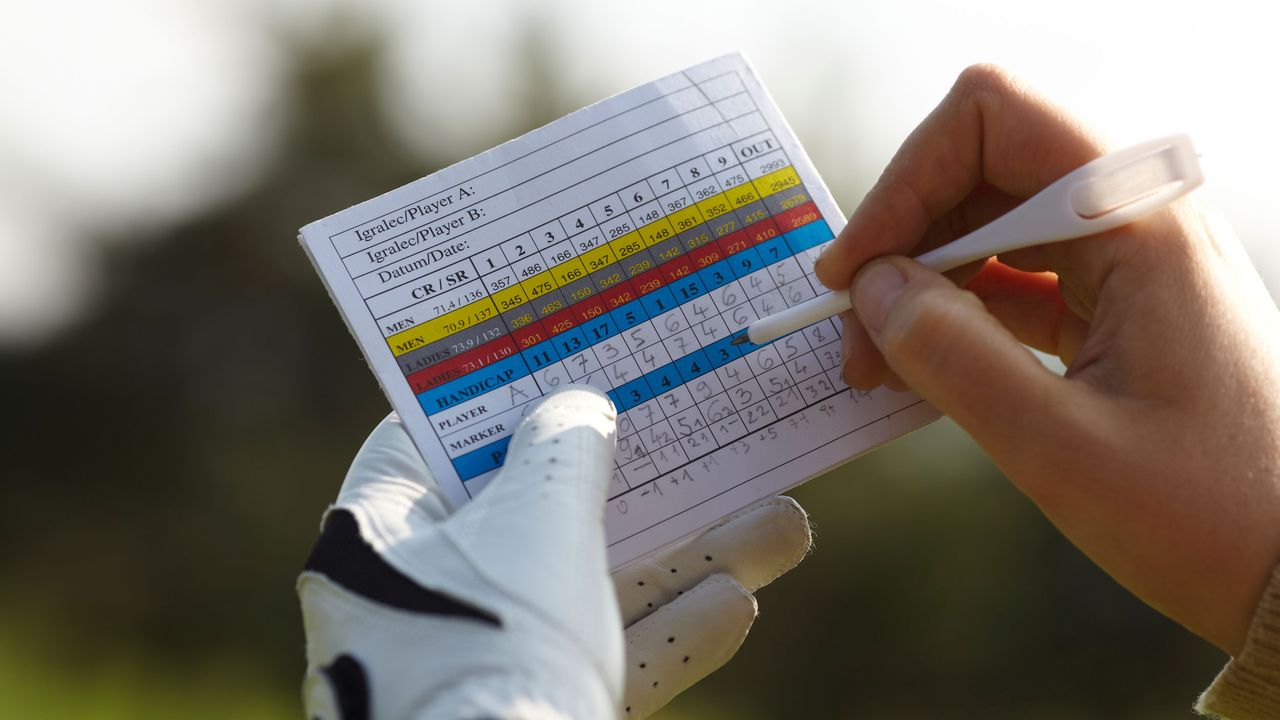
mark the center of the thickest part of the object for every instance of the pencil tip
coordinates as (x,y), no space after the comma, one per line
(740,340)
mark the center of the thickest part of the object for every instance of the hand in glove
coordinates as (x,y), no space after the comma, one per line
(503,609)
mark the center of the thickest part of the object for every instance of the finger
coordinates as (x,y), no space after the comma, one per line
(863,366)
(685,641)
(537,529)
(389,488)
(988,128)
(944,344)
(754,545)
(985,203)
(1031,306)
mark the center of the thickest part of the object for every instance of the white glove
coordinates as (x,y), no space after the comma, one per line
(688,609)
(500,610)
(503,609)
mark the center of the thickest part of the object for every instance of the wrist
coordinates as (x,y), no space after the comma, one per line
(1249,686)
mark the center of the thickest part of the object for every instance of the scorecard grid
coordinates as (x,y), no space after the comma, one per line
(487,300)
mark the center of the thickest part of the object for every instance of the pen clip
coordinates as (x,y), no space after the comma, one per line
(1113,190)
(1123,186)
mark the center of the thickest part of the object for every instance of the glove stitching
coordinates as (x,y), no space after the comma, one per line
(642,627)
(794,559)
(650,572)
(790,561)
(642,630)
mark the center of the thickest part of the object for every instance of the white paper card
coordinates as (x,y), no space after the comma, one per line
(622,246)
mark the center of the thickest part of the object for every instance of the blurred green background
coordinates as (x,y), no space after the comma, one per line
(180,399)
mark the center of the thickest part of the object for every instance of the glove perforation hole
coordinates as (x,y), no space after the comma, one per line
(686,658)
(673,571)
(655,683)
(649,604)
(628,708)
(708,558)
(643,665)
(671,639)
(640,583)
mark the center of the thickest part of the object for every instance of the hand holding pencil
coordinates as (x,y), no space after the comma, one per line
(1157,453)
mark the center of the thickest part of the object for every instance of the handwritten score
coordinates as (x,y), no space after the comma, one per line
(622,246)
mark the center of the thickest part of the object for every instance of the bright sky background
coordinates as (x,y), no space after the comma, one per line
(117,117)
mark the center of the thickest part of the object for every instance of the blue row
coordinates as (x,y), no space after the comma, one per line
(674,374)
(473,384)
(647,307)
(807,236)
(482,460)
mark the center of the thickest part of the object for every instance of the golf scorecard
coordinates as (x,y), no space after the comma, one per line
(622,246)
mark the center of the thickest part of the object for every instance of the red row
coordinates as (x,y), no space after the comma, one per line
(797,217)
(460,365)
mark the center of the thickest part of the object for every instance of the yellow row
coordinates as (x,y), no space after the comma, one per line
(443,326)
(616,250)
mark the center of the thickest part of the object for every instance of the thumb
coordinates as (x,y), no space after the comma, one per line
(537,529)
(942,342)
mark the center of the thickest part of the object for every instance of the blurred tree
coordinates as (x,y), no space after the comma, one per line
(168,460)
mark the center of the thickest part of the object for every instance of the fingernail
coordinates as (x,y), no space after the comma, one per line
(875,290)
(846,337)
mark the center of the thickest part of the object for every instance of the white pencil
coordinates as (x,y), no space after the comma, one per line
(1113,190)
